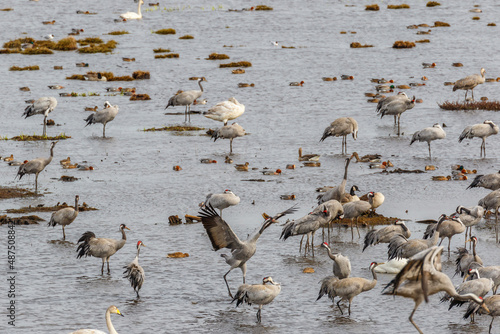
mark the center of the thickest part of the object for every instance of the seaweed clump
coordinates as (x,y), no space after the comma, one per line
(403,45)
(217,56)
(433,4)
(90,40)
(38,137)
(263,7)
(237,64)
(472,105)
(492,24)
(109,46)
(372,7)
(139,97)
(160,50)
(355,45)
(66,44)
(168,55)
(26,68)
(139,75)
(423,41)
(168,31)
(186,37)
(441,24)
(37,51)
(402,6)
(118,32)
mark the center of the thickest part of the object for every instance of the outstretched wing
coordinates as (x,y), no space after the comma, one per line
(286,212)
(220,233)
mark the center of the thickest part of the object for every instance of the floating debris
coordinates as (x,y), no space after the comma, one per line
(177,255)
(168,31)
(359,45)
(168,55)
(42,208)
(402,6)
(308,270)
(471,105)
(372,7)
(403,45)
(186,37)
(176,128)
(66,178)
(139,97)
(27,68)
(174,220)
(433,4)
(24,220)
(236,64)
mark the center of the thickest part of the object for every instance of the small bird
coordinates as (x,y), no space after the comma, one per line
(260,294)
(483,131)
(49,37)
(64,216)
(242,167)
(429,134)
(35,166)
(42,106)
(297,83)
(229,132)
(275,43)
(429,65)
(134,272)
(308,157)
(103,116)
(55,87)
(222,201)
(270,172)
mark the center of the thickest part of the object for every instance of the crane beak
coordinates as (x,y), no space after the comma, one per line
(266,216)
(469,240)
(127,228)
(466,276)
(483,305)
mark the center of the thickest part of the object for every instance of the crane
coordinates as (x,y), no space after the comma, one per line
(491,306)
(488,181)
(355,209)
(396,108)
(64,216)
(186,99)
(134,272)
(222,201)
(229,132)
(492,202)
(338,192)
(470,217)
(342,127)
(470,82)
(386,100)
(429,134)
(385,234)
(483,131)
(341,263)
(35,166)
(465,259)
(42,106)
(447,229)
(103,116)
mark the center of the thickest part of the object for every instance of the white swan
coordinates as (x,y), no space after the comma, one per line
(226,110)
(111,329)
(133,15)
(393,266)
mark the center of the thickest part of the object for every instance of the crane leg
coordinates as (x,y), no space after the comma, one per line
(107,261)
(399,128)
(440,241)
(185,114)
(230,146)
(300,245)
(430,155)
(496,223)
(352,232)
(64,234)
(345,144)
(258,314)
(312,243)
(137,292)
(491,324)
(189,113)
(102,268)
(449,242)
(349,308)
(104,131)
(411,319)
(472,91)
(228,289)
(44,126)
(307,245)
(357,228)
(36,183)
(338,305)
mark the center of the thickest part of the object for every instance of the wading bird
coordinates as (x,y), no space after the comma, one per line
(104,248)
(134,272)
(229,132)
(491,307)
(260,294)
(348,288)
(429,134)
(35,166)
(385,234)
(133,15)
(386,100)
(470,217)
(42,106)
(112,309)
(222,201)
(336,193)
(396,108)
(469,83)
(341,127)
(492,272)
(483,131)
(225,111)
(355,209)
(465,259)
(488,181)
(103,116)
(222,236)
(186,99)
(447,229)
(64,216)
(492,202)
(341,263)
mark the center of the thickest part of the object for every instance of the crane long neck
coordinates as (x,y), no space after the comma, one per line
(330,254)
(474,249)
(138,250)
(199,83)
(76,204)
(111,328)
(371,283)
(257,234)
(124,236)
(345,171)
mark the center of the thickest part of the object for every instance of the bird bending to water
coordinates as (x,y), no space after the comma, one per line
(133,15)
(447,229)
(336,193)
(42,106)
(112,309)
(260,294)
(222,236)
(225,111)
(429,134)
(385,234)
(342,127)
(470,82)
(186,99)
(348,288)
(483,131)
(104,248)
(341,263)
(103,116)
(134,272)
(492,202)
(488,181)
(35,166)
(396,108)
(222,201)
(355,209)
(308,157)
(64,216)
(229,132)
(492,272)
(491,307)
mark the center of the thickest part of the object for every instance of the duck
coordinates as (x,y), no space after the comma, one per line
(24,89)
(128,59)
(113,89)
(177,168)
(416,84)
(208,161)
(269,172)
(441,178)
(228,160)
(308,157)
(329,78)
(457,64)
(55,87)
(346,77)
(28,45)
(17,163)
(381,165)
(131,89)
(82,64)
(297,83)
(312,164)
(49,22)
(460,177)
(65,94)
(430,167)
(476,10)
(429,65)
(242,167)
(75,32)
(290,166)
(204,101)
(65,161)
(91,108)
(9,158)
(85,167)
(288,197)
(70,166)
(94,77)
(242,84)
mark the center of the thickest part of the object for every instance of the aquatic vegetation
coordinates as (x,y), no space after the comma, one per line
(238,71)
(6,51)
(118,32)
(168,55)
(186,37)
(263,7)
(24,137)
(16,43)
(139,75)
(76,77)
(359,45)
(37,51)
(287,47)
(121,78)
(402,6)
(66,44)
(160,50)
(7,192)
(492,24)
(139,97)
(433,4)
(403,45)
(27,68)
(237,64)
(168,31)
(441,24)
(476,18)
(423,41)
(29,209)
(46,44)
(372,7)
(217,56)
(472,105)
(6,9)
(175,128)
(99,48)
(90,40)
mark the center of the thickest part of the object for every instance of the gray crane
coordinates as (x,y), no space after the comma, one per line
(355,209)
(103,116)
(386,100)
(492,202)
(35,166)
(229,132)
(42,106)
(488,181)
(260,294)
(341,263)
(396,108)
(465,259)
(401,247)
(491,307)
(111,329)
(348,288)
(134,272)
(64,216)
(470,217)
(483,131)
(470,82)
(222,236)
(222,201)
(429,134)
(342,127)
(447,229)
(421,278)
(492,272)
(337,192)
(186,99)
(385,234)
(104,248)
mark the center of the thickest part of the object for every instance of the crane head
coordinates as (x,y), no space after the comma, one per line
(373,265)
(325,244)
(139,243)
(123,226)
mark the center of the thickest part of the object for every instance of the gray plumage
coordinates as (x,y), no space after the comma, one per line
(447,229)
(492,272)
(229,132)
(429,134)
(341,263)
(260,294)
(222,236)
(342,127)
(42,106)
(355,209)
(222,201)
(64,216)
(470,217)
(35,166)
(338,192)
(103,116)
(386,100)
(348,288)
(103,248)
(134,272)
(483,131)
(396,108)
(186,99)
(488,181)
(385,234)
(491,306)
(492,202)
(470,82)
(465,259)
(480,287)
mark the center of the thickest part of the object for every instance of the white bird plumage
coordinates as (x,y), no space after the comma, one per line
(225,111)
(429,134)
(482,130)
(133,15)
(112,309)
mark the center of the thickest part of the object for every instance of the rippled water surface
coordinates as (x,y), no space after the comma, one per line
(133,181)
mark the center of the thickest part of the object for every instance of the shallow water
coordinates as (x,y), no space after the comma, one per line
(133,181)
